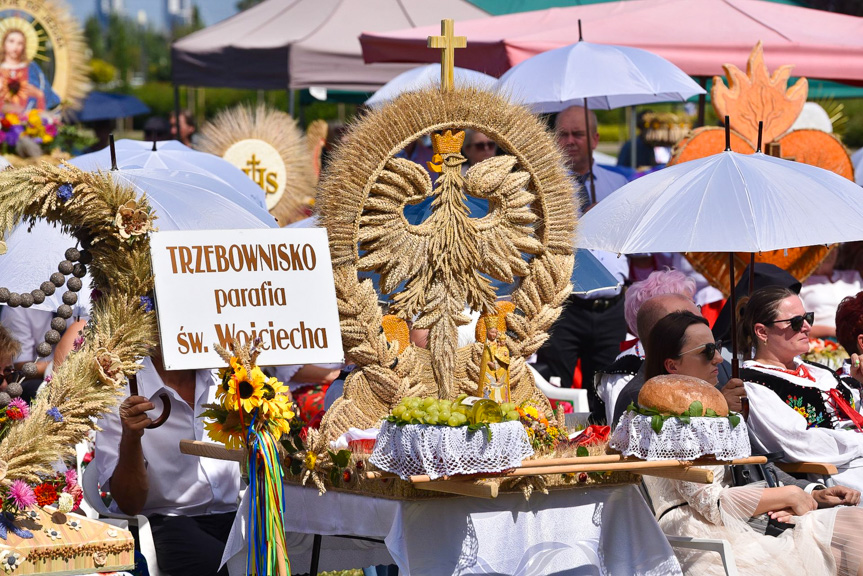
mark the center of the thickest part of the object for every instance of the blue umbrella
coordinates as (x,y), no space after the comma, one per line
(106,106)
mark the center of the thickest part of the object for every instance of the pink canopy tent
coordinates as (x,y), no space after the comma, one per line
(696,35)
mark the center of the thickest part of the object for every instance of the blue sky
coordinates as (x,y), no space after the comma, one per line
(212,11)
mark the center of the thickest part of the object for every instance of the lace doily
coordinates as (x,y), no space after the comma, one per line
(443,451)
(701,437)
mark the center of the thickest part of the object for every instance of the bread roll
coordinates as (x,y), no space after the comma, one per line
(674,393)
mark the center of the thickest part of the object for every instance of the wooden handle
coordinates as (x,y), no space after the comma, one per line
(166,403)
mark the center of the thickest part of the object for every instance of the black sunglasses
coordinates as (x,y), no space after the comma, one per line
(10,374)
(797,322)
(708,350)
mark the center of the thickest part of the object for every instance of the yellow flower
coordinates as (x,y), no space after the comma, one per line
(245,391)
(531,411)
(275,402)
(34,118)
(12,119)
(231,437)
(311,458)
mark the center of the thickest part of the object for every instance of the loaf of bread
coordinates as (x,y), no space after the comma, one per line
(674,394)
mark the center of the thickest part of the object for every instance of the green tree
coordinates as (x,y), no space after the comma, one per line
(95,37)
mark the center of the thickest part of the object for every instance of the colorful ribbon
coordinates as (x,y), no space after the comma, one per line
(267,552)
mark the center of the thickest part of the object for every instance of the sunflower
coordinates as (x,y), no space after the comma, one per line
(245,390)
(275,402)
(226,432)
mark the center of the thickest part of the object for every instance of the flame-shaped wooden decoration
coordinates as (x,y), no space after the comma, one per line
(749,98)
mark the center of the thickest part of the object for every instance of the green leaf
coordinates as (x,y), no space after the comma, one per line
(684,418)
(696,409)
(734,419)
(711,413)
(582,451)
(342,458)
(656,422)
(335,476)
(296,467)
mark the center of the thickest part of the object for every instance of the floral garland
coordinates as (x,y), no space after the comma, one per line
(111,225)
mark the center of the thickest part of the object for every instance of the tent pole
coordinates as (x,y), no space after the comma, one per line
(702,102)
(291,97)
(177,111)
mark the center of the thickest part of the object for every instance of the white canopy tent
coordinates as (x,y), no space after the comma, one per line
(282,44)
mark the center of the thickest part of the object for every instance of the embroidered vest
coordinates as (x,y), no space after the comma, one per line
(809,402)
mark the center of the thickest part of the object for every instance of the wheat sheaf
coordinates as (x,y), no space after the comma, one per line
(438,269)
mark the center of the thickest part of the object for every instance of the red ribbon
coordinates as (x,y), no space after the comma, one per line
(843,408)
(593,434)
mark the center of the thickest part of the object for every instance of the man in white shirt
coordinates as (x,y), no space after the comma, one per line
(190,501)
(591,328)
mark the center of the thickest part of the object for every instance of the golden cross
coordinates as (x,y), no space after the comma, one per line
(447,44)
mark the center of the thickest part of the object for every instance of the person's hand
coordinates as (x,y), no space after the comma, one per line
(856,367)
(836,496)
(733,392)
(785,516)
(133,416)
(800,502)
(794,501)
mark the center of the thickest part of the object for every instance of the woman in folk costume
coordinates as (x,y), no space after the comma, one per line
(801,409)
(828,541)
(494,365)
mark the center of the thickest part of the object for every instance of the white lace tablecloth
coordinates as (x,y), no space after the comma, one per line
(443,451)
(701,437)
(579,531)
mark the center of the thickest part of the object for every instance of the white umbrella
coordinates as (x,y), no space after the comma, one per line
(427,77)
(595,76)
(727,202)
(181,200)
(606,76)
(172,155)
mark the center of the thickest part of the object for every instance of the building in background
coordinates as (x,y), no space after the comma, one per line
(178,13)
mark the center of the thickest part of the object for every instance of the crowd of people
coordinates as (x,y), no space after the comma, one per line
(655,321)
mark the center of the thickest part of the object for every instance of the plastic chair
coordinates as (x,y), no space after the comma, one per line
(577,396)
(93,498)
(826,471)
(721,547)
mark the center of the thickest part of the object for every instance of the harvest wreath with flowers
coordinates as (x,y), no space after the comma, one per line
(111,225)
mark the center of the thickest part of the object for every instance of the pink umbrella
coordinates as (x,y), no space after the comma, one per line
(698,36)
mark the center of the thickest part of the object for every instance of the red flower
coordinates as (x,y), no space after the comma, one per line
(15,413)
(88,457)
(46,494)
(5,124)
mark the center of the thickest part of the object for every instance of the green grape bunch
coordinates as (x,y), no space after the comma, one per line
(454,413)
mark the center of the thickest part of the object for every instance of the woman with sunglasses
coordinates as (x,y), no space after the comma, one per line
(820,542)
(798,408)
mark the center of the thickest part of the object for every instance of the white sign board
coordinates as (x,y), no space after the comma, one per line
(215,285)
